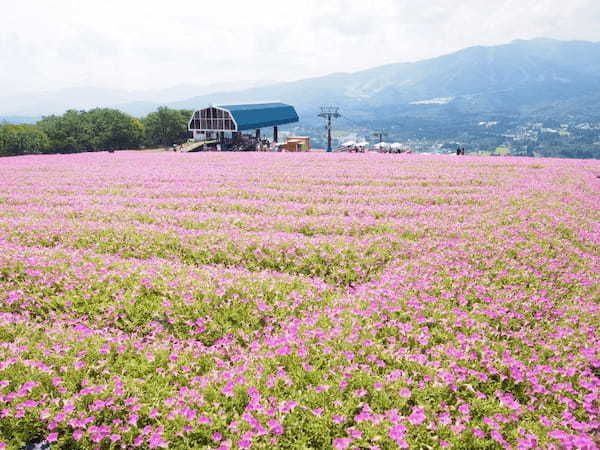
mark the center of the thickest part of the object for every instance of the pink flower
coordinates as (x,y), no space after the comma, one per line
(526,443)
(402,443)
(79,364)
(342,443)
(275,426)
(464,409)
(545,421)
(360,393)
(444,419)
(69,408)
(497,437)
(226,445)
(478,432)
(204,420)
(77,435)
(284,350)
(52,437)
(405,393)
(397,432)
(245,443)
(417,417)
(156,441)
(228,389)
(557,434)
(354,433)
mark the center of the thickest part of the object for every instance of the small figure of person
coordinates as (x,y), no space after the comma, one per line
(458,151)
(462,151)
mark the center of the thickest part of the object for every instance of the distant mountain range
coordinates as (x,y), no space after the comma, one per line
(537,79)
(17,120)
(134,102)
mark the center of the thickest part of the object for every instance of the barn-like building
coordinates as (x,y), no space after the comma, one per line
(225,123)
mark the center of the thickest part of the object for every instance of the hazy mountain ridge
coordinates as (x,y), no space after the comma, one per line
(86,97)
(17,120)
(540,78)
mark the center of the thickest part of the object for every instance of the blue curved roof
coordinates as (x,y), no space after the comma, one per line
(260,115)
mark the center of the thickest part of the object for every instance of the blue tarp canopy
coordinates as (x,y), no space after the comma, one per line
(261,115)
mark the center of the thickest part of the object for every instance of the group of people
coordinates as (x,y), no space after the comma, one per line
(460,151)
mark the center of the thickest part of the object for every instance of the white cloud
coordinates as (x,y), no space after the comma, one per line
(141,44)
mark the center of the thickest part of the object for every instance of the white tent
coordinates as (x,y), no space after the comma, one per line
(382,145)
(348,144)
(396,146)
(362,144)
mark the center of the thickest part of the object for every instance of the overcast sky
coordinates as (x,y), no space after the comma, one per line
(145,44)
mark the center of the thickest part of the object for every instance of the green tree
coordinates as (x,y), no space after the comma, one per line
(113,130)
(69,133)
(167,126)
(22,140)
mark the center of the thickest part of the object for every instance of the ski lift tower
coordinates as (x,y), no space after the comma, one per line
(328,113)
(380,135)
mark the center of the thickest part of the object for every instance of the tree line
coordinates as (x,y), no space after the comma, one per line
(95,130)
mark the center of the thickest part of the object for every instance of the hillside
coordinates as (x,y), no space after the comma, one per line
(540,78)
(536,78)
(317,301)
(522,88)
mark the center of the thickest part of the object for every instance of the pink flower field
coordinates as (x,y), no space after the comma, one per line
(305,301)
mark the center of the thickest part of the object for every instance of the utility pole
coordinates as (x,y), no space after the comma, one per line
(380,135)
(328,113)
